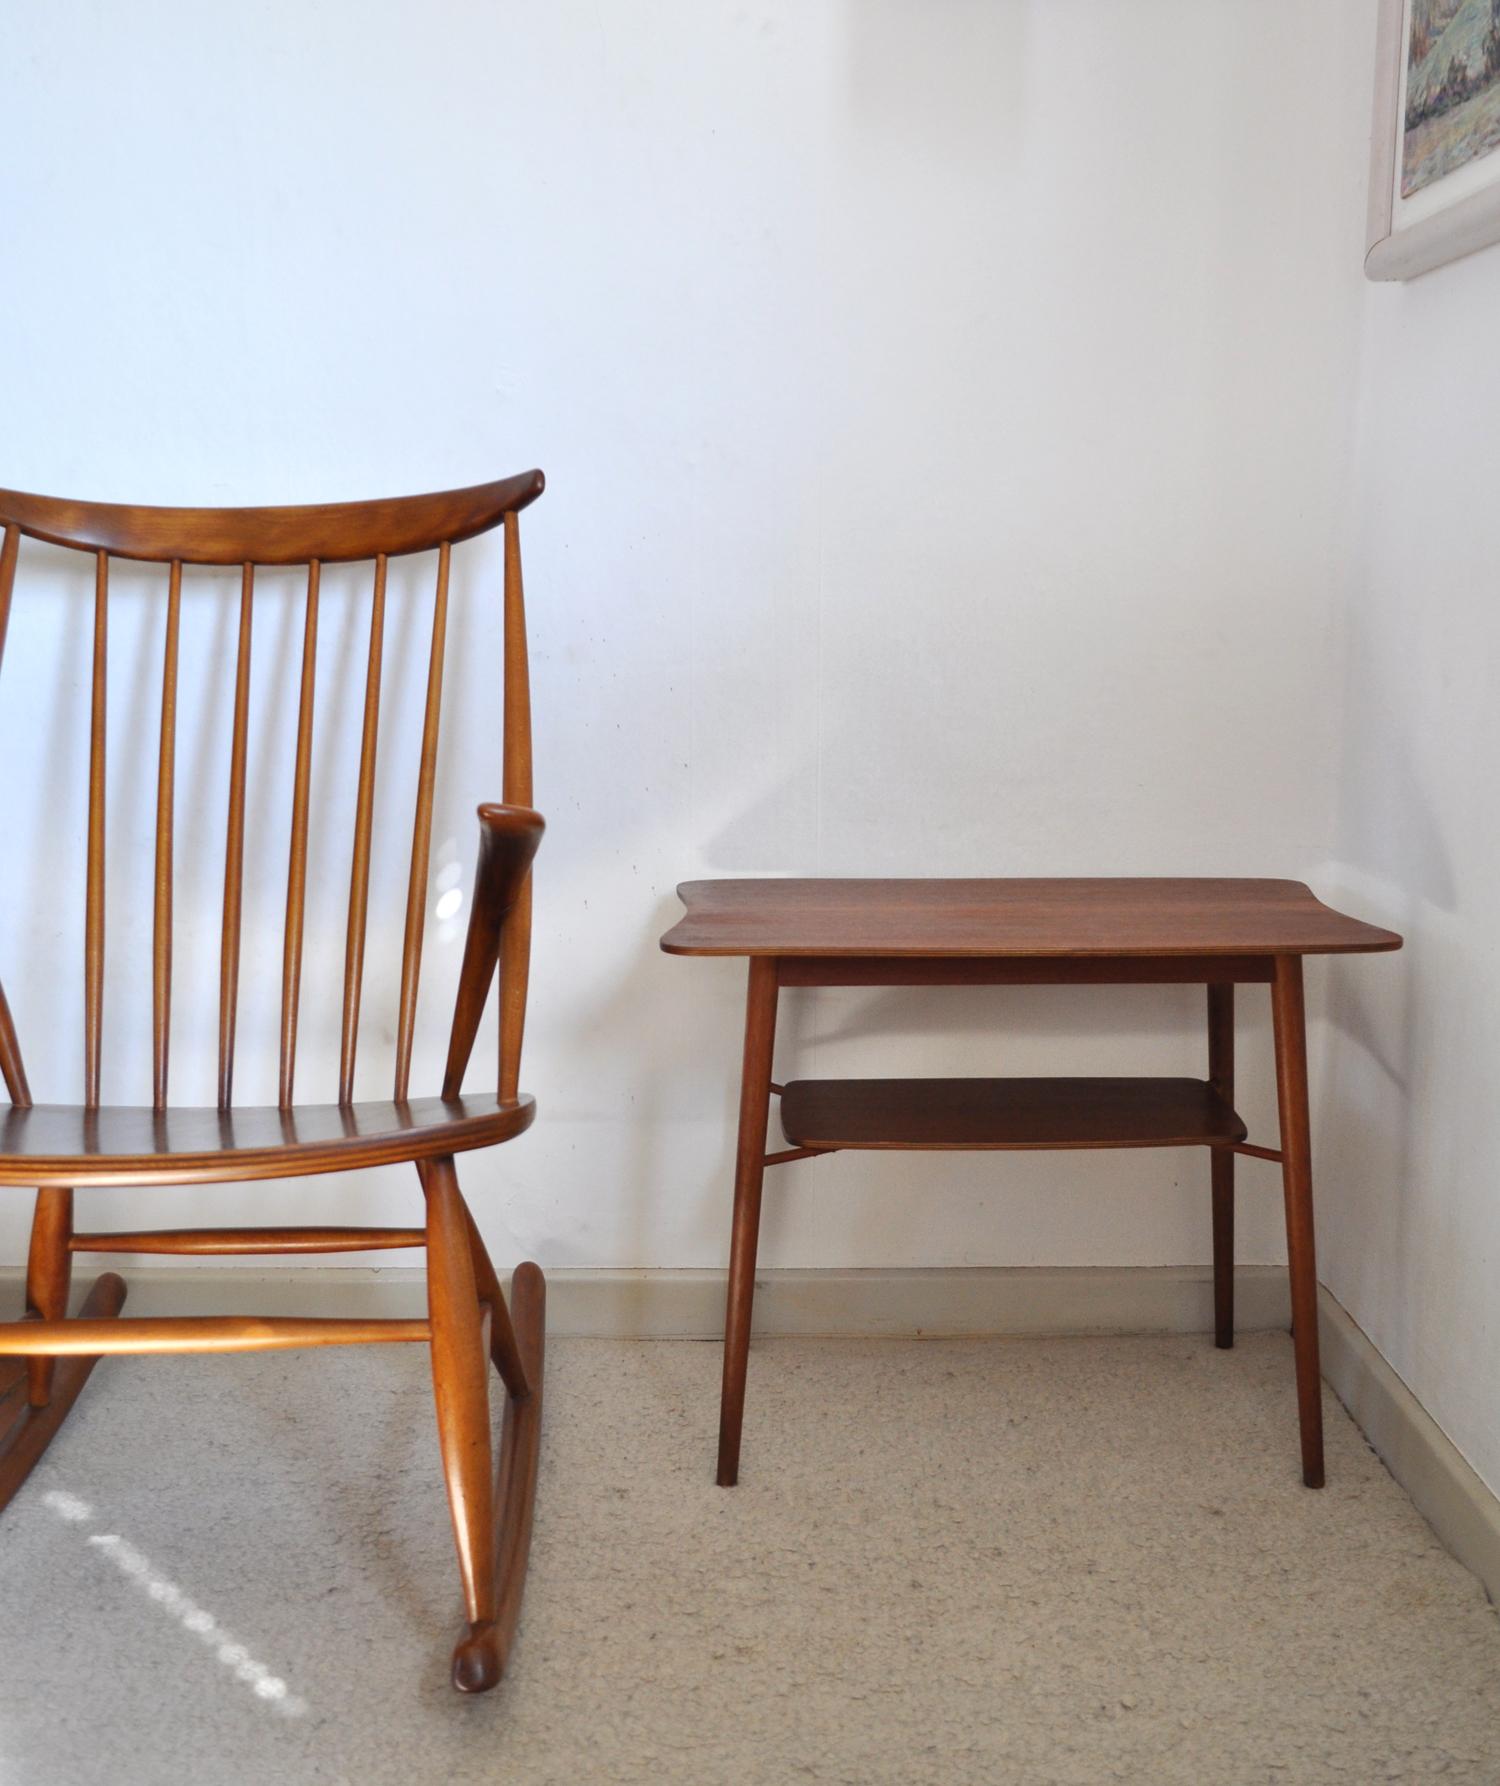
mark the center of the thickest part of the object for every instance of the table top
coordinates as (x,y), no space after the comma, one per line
(929,918)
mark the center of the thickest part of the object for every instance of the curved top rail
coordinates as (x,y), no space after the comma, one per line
(334,532)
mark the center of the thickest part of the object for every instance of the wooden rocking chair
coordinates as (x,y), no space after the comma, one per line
(59,1148)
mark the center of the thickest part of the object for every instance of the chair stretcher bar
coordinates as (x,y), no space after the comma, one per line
(194,1333)
(203,1241)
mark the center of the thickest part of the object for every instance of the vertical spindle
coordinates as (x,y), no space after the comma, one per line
(10,548)
(359,873)
(11,1068)
(296,877)
(93,939)
(166,775)
(234,850)
(416,892)
(515,936)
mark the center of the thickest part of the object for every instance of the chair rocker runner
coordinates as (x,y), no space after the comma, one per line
(46,1357)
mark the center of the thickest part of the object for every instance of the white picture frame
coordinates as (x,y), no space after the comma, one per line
(1452,216)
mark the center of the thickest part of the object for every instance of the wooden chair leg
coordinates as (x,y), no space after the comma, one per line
(749,1172)
(505,1351)
(49,1273)
(492,1504)
(1296,1171)
(520,1453)
(27,1430)
(1221,1077)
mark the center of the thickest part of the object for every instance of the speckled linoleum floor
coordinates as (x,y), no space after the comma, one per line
(1005,1561)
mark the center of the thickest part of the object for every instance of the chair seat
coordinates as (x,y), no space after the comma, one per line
(66,1144)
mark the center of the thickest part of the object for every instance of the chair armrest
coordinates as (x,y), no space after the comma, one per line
(508,839)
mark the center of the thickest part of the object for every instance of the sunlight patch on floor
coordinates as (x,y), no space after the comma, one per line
(166,1594)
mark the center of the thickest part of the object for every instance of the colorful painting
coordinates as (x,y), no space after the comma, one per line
(1452,88)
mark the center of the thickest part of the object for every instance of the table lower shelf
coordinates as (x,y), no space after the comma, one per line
(1007,1113)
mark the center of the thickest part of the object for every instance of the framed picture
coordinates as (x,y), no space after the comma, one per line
(1435,152)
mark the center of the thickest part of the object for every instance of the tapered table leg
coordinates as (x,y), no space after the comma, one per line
(749,1170)
(1221,1077)
(1296,1173)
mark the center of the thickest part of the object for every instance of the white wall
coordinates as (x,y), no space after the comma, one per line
(1410,1217)
(945,411)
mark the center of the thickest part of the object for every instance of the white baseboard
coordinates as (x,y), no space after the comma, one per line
(891,1304)
(1445,1488)
(897,1304)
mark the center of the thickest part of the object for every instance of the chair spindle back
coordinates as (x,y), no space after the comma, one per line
(311,536)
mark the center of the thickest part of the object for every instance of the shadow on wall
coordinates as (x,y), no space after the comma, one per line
(1395,861)
(1393,850)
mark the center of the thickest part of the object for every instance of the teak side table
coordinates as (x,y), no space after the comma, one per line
(1216,933)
